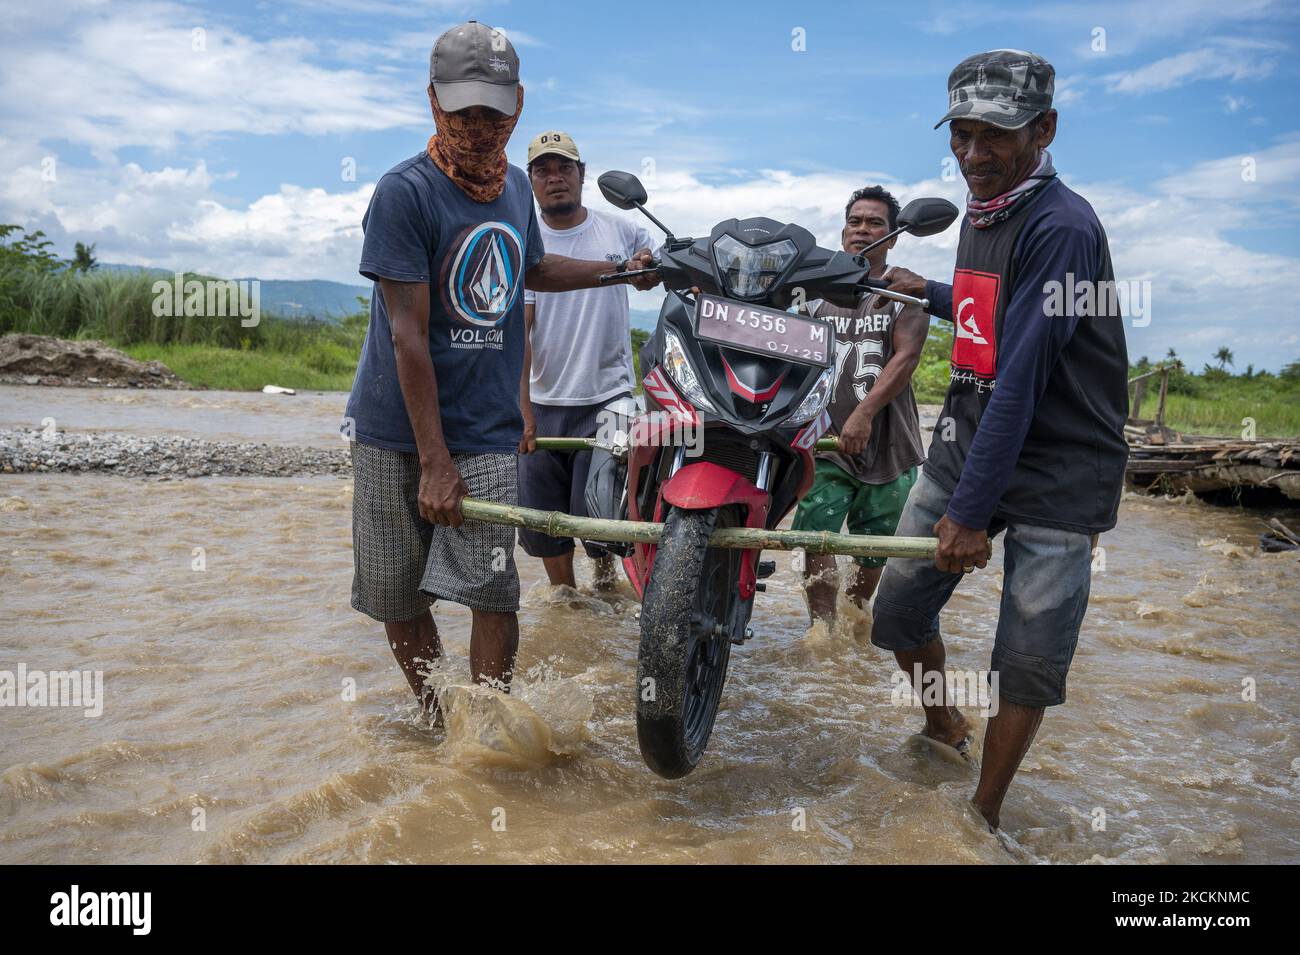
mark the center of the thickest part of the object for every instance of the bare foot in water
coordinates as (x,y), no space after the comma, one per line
(947,726)
(949,736)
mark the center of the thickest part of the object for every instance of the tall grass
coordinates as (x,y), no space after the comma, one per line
(1211,403)
(235,369)
(215,351)
(1229,416)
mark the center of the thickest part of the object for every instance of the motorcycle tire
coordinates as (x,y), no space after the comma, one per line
(686,618)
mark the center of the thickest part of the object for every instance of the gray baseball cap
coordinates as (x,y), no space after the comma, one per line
(475,65)
(1007,88)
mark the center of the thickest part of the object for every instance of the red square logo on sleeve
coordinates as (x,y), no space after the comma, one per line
(974,305)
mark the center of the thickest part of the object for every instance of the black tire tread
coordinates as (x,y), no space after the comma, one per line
(665,637)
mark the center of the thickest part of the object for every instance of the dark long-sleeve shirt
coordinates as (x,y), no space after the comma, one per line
(1048,446)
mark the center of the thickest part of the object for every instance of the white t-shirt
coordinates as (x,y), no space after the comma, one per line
(582,353)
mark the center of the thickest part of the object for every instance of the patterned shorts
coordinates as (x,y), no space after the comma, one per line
(402,563)
(837,498)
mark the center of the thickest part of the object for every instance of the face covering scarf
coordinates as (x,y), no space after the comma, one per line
(985,212)
(471,150)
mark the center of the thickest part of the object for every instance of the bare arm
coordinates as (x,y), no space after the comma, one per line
(559,273)
(909,331)
(441,486)
(527,443)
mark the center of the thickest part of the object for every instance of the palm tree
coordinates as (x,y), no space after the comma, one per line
(1224,357)
(83,257)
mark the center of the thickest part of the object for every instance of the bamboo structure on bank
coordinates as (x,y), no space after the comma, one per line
(558,524)
(585,444)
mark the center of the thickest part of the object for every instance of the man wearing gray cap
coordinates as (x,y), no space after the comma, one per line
(451,239)
(1030,440)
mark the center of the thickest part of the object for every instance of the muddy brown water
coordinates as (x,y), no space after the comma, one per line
(229,732)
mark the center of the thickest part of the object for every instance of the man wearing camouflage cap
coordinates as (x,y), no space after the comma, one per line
(1030,440)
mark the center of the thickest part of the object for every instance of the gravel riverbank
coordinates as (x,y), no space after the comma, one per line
(128,455)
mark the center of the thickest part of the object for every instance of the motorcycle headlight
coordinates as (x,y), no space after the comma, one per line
(681,372)
(816,400)
(750,270)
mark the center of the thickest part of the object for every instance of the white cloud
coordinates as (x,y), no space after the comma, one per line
(1068,90)
(128,75)
(1235,60)
(1268,177)
(175,217)
(1206,290)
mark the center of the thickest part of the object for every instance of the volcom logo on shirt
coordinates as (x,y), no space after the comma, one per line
(485,276)
(974,342)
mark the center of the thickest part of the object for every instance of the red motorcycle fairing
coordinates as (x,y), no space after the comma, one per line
(703,486)
(700,485)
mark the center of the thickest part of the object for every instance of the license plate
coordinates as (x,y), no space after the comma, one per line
(764,331)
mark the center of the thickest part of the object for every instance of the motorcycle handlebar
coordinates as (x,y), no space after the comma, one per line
(615,276)
(878,286)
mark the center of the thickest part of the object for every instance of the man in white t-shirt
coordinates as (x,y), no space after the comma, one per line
(578,356)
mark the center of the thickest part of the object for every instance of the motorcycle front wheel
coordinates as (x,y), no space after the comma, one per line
(687,618)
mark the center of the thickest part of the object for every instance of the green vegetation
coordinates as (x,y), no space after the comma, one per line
(1213,402)
(930,380)
(43,295)
(1217,402)
(639,338)
(326,366)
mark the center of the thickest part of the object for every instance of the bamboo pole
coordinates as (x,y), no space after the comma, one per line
(583,444)
(558,524)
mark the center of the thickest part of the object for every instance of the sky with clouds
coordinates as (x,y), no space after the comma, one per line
(245,138)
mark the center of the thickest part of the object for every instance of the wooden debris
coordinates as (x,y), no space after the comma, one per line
(1202,464)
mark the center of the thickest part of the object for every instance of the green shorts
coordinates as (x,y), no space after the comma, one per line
(836,497)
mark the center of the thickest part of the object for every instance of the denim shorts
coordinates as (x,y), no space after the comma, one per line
(1047,573)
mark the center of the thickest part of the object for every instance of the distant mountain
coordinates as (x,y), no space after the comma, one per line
(308,298)
(330,301)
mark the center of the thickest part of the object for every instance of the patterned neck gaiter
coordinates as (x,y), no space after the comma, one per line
(472,151)
(985,212)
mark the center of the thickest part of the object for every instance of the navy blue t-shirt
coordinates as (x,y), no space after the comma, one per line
(1038,394)
(420,227)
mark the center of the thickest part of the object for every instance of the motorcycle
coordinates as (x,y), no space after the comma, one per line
(740,379)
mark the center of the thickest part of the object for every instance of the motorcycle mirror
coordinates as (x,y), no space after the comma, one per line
(622,189)
(923,217)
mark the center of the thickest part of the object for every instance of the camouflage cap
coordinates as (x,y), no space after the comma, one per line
(1007,88)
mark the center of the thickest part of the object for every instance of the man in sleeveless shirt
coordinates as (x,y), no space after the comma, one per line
(873,411)
(1030,440)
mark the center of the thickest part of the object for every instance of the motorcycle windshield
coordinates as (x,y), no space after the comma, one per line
(748,271)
